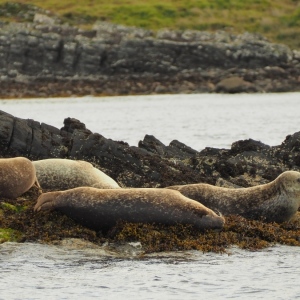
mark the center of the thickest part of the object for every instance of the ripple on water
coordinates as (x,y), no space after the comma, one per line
(36,271)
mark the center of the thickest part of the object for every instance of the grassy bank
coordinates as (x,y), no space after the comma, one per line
(276,19)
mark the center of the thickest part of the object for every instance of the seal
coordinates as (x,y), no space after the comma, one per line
(102,208)
(56,174)
(17,176)
(277,201)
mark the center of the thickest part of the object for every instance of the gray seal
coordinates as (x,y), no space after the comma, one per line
(56,174)
(101,209)
(277,201)
(17,176)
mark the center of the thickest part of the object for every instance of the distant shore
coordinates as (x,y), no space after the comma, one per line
(42,60)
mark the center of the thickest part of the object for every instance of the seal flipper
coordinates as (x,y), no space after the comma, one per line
(46,206)
(45,202)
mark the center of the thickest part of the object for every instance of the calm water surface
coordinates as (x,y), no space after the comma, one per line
(201,120)
(32,271)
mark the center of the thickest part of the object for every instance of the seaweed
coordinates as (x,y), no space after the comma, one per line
(19,223)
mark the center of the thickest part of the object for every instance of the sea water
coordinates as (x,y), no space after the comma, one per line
(198,120)
(35,271)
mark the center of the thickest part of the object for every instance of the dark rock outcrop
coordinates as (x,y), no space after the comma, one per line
(151,164)
(50,59)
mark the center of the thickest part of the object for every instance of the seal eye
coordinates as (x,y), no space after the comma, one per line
(298,179)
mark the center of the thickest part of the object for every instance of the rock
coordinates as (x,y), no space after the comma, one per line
(151,164)
(6,130)
(52,59)
(275,71)
(71,124)
(248,145)
(234,85)
(175,150)
(44,19)
(115,32)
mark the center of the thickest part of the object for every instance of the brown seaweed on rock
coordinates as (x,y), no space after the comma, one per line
(49,227)
(151,164)
(44,227)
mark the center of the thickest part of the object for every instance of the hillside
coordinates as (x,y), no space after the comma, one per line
(278,20)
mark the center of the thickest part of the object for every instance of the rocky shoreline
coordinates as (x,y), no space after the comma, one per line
(46,59)
(151,164)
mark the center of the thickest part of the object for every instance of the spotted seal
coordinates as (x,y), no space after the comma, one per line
(102,208)
(277,201)
(56,174)
(17,176)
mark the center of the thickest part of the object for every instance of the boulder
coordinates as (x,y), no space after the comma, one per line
(234,84)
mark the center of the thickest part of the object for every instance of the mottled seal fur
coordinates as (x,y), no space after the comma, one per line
(17,176)
(57,174)
(277,201)
(99,209)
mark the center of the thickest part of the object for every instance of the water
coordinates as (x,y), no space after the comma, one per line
(203,120)
(33,271)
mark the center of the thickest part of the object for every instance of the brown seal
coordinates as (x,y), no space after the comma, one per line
(17,176)
(56,174)
(101,209)
(277,201)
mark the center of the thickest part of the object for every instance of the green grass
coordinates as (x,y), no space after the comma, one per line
(276,19)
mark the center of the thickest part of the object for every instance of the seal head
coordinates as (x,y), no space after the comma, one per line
(277,201)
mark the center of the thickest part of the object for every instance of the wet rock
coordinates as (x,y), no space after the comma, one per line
(248,145)
(151,164)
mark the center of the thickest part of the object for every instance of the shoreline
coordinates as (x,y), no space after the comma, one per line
(42,60)
(151,164)
(125,85)
(73,96)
